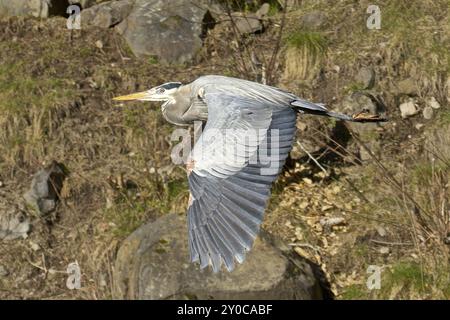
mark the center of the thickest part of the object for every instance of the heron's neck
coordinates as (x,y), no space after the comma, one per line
(174,109)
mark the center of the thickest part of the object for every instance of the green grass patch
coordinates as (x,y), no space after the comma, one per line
(153,60)
(424,173)
(19,90)
(314,42)
(407,273)
(354,292)
(129,212)
(127,217)
(354,87)
(444,117)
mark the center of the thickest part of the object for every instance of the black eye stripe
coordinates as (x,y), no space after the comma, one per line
(167,86)
(171,85)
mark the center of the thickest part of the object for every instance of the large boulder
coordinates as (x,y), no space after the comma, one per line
(83,3)
(107,14)
(36,8)
(153,263)
(168,30)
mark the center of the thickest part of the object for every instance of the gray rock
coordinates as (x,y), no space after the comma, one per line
(357,102)
(84,3)
(247,23)
(99,44)
(314,20)
(107,14)
(3,272)
(366,77)
(35,246)
(428,113)
(364,155)
(382,232)
(408,109)
(36,8)
(14,224)
(263,11)
(432,102)
(45,189)
(169,30)
(153,263)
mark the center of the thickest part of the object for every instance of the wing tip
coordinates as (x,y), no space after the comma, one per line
(218,266)
(216,260)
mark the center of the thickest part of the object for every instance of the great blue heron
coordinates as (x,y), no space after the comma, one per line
(229,193)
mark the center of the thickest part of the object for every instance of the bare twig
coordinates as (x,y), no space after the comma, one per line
(392,243)
(273,59)
(312,158)
(306,245)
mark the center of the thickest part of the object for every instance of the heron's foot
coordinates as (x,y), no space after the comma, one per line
(190,200)
(365,116)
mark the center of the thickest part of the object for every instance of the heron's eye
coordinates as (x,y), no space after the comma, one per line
(161,90)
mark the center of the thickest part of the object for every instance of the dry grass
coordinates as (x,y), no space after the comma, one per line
(415,196)
(304,55)
(56,104)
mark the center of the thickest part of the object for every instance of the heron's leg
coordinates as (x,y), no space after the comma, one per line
(190,165)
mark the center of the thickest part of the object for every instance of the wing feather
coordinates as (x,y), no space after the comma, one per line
(230,191)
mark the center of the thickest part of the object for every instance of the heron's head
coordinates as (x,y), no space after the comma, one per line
(163,93)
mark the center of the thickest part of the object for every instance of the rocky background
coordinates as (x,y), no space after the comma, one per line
(89,181)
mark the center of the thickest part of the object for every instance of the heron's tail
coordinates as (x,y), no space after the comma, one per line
(303,106)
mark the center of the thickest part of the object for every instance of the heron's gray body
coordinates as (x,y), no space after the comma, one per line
(189,102)
(230,176)
(229,197)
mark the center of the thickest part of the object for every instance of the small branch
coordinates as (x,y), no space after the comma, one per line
(392,243)
(305,245)
(312,158)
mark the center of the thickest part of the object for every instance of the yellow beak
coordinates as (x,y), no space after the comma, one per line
(133,96)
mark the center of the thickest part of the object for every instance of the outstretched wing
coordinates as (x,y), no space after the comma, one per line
(239,154)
